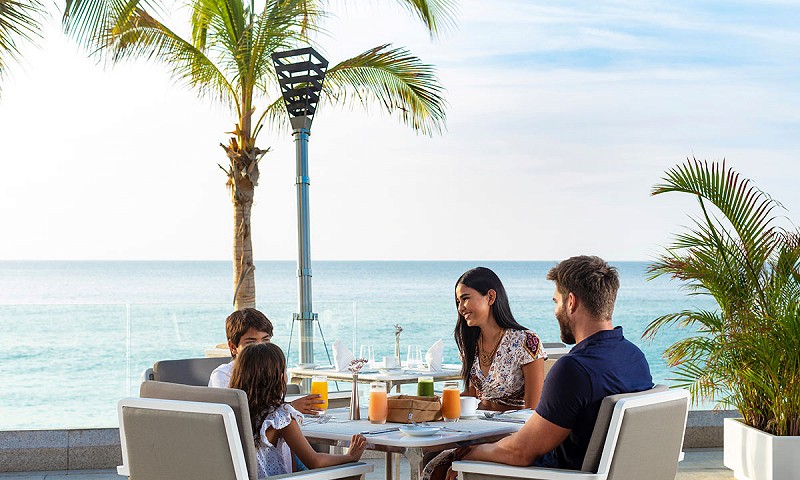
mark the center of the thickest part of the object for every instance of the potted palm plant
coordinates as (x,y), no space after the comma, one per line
(745,353)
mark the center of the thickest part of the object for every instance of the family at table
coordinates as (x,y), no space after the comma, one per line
(502,366)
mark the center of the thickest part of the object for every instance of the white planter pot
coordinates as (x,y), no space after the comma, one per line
(756,455)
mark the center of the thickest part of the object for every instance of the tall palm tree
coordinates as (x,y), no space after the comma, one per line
(20,22)
(227,58)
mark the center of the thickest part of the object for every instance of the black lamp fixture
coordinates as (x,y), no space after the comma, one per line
(300,74)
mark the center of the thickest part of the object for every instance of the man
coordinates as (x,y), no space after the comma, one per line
(244,327)
(602,363)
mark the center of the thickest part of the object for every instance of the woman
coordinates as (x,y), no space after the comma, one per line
(502,361)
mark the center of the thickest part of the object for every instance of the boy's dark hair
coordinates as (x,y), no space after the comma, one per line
(242,320)
(591,279)
(259,371)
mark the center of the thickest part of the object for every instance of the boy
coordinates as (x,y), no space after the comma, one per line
(244,327)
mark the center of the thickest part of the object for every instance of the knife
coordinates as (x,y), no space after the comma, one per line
(375,432)
(507,420)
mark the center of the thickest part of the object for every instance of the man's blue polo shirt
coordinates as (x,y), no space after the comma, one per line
(601,365)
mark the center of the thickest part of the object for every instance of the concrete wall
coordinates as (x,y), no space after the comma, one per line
(39,450)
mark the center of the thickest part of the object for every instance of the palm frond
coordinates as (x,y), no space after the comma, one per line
(438,16)
(747,208)
(90,22)
(282,25)
(395,79)
(275,117)
(142,36)
(20,21)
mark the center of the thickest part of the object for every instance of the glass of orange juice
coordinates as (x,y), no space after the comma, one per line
(378,403)
(451,402)
(319,385)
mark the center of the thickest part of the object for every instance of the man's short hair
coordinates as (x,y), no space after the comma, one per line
(591,279)
(242,320)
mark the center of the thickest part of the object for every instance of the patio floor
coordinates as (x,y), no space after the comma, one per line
(699,464)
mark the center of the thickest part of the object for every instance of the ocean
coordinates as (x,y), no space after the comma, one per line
(75,336)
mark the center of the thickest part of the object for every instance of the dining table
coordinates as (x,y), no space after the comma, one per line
(335,429)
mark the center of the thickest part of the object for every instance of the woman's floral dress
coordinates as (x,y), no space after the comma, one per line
(504,382)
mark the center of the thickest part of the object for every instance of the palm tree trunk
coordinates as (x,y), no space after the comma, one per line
(242,179)
(244,278)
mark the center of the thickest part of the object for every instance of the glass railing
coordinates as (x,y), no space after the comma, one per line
(66,366)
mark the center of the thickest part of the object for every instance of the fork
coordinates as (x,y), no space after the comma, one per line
(493,414)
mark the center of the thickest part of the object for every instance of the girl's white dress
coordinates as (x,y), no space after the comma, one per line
(276,459)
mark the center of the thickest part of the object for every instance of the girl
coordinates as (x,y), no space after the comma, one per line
(502,361)
(260,371)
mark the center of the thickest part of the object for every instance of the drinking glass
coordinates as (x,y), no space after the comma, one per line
(369,353)
(425,386)
(451,402)
(378,402)
(319,385)
(413,357)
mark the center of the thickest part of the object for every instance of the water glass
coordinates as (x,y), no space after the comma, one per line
(319,385)
(451,402)
(413,359)
(368,352)
(378,402)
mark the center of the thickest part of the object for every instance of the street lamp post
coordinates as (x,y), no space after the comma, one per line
(300,75)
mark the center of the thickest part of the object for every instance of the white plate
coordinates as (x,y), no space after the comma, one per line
(419,430)
(307,366)
(468,416)
(387,371)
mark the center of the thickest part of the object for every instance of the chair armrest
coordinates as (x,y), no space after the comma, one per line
(498,470)
(146,375)
(329,473)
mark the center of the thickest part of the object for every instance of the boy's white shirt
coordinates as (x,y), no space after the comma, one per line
(221,376)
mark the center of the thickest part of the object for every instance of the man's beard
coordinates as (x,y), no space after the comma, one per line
(566,330)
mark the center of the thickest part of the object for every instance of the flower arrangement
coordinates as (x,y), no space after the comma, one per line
(357,364)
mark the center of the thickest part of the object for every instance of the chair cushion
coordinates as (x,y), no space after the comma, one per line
(188,371)
(233,397)
(591,461)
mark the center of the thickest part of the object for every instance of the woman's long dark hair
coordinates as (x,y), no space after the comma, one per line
(481,279)
(259,371)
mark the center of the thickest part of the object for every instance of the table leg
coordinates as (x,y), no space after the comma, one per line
(389,466)
(415,457)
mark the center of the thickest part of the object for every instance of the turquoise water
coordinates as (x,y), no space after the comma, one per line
(77,335)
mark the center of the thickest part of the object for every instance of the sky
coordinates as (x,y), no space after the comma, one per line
(561,117)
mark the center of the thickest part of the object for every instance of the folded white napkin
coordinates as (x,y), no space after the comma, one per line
(433,357)
(341,356)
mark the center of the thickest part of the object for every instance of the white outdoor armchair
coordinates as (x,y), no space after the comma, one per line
(180,431)
(636,436)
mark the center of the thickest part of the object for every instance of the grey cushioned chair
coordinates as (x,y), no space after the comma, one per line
(156,434)
(636,436)
(193,371)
